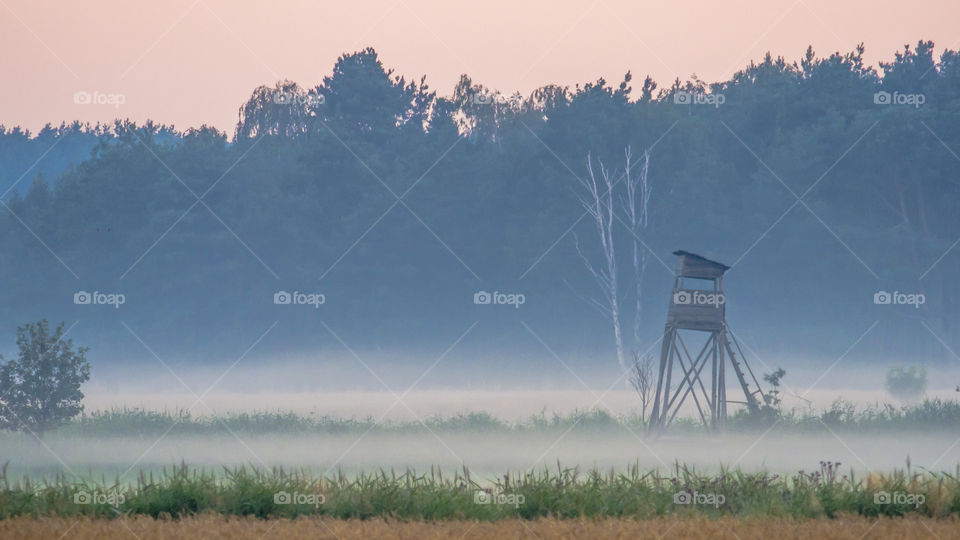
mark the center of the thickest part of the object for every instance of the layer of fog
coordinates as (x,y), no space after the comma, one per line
(485,454)
(508,405)
(347,387)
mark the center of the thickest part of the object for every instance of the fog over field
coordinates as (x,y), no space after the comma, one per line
(343,386)
(255,389)
(393,390)
(484,454)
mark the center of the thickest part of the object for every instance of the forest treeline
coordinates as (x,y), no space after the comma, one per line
(824,180)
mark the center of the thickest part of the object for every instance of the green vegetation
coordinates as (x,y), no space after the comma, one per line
(40,389)
(906,383)
(924,416)
(182,491)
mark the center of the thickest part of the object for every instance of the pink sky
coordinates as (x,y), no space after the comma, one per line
(192,62)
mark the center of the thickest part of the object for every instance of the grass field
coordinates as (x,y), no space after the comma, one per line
(564,493)
(216,526)
(829,501)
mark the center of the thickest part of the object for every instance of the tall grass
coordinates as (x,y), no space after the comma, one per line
(560,492)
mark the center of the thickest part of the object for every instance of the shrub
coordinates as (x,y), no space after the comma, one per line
(906,384)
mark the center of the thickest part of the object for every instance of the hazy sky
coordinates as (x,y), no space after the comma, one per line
(192,62)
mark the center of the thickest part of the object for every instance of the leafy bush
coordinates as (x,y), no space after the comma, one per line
(906,384)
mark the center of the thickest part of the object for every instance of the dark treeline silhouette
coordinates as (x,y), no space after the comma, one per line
(304,197)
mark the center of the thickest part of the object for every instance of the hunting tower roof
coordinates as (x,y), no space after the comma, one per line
(681,253)
(698,266)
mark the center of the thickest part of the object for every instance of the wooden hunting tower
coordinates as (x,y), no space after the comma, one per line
(703,310)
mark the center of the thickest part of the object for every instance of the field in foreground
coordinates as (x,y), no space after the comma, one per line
(541,493)
(215,526)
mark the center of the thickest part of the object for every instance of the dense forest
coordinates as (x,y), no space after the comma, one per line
(821,181)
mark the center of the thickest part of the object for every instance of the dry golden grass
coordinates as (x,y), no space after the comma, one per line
(216,526)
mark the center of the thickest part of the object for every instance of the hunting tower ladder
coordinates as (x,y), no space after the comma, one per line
(701,310)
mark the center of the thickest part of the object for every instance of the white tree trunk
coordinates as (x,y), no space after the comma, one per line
(600,207)
(599,204)
(635,204)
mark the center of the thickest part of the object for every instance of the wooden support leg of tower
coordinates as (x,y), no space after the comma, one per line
(663,380)
(686,386)
(675,403)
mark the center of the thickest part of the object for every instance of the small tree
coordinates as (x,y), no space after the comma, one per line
(641,378)
(772,399)
(906,383)
(770,411)
(41,388)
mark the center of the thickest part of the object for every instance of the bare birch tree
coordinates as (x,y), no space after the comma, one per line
(599,204)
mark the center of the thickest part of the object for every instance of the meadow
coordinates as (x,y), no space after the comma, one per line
(160,473)
(556,491)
